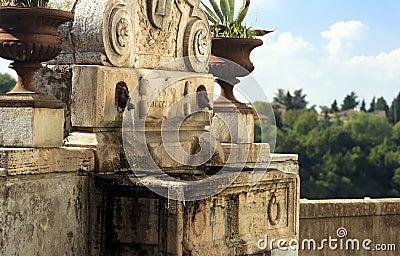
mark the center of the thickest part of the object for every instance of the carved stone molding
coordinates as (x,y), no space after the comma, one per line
(274,218)
(160,12)
(101,34)
(142,34)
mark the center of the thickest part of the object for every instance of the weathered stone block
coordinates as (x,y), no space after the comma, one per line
(93,95)
(31,127)
(106,145)
(246,153)
(233,127)
(44,215)
(24,161)
(56,80)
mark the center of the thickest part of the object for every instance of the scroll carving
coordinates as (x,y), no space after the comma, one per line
(197,45)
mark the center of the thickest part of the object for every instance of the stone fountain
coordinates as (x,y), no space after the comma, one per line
(134,72)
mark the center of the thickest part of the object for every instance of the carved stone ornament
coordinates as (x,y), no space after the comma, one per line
(273,203)
(118,35)
(197,45)
(160,12)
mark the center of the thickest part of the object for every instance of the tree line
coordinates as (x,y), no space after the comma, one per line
(354,155)
(7,82)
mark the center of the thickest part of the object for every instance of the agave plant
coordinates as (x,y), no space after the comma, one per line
(225,24)
(24,3)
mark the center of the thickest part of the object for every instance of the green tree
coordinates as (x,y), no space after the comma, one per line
(288,100)
(299,100)
(350,102)
(368,130)
(280,97)
(265,130)
(362,108)
(334,107)
(372,105)
(394,110)
(396,133)
(382,105)
(7,82)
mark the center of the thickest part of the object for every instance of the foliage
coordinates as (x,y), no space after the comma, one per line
(349,157)
(363,107)
(350,102)
(265,130)
(381,105)
(394,110)
(295,101)
(7,82)
(225,24)
(24,3)
(334,107)
(372,105)
(232,31)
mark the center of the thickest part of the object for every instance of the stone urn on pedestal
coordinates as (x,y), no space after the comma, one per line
(28,36)
(232,44)
(230,60)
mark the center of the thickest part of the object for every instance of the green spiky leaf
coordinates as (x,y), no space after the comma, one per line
(242,14)
(211,16)
(225,9)
(217,10)
(232,10)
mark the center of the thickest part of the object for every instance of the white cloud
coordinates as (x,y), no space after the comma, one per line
(341,35)
(346,30)
(290,62)
(287,44)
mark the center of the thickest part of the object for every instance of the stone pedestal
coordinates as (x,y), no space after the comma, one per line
(43,201)
(233,123)
(31,127)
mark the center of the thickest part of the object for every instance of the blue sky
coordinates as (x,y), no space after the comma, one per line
(327,47)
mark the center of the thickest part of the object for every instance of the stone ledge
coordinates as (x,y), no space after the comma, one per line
(338,208)
(25,161)
(287,163)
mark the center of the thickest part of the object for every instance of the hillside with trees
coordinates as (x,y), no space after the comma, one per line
(343,152)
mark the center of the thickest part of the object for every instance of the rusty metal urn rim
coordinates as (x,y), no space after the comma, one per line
(38,11)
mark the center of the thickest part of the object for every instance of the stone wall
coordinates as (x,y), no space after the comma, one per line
(346,220)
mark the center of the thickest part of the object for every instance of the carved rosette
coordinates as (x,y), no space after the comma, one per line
(197,45)
(118,34)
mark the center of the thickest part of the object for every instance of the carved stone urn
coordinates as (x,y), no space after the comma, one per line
(237,52)
(28,36)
